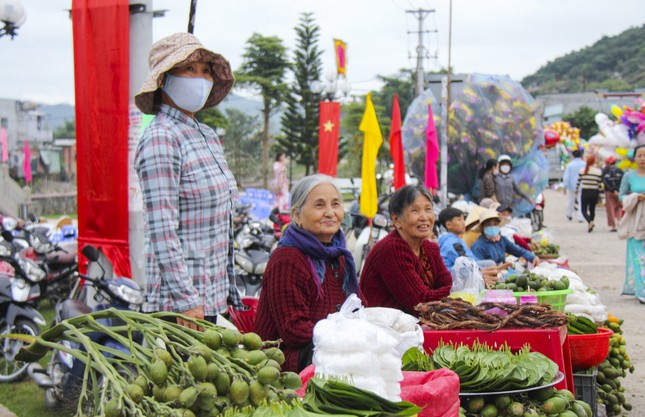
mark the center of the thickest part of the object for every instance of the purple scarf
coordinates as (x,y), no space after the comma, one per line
(317,253)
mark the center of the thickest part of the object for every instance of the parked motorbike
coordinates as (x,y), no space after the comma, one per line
(537,214)
(17,312)
(280,220)
(64,373)
(57,259)
(252,250)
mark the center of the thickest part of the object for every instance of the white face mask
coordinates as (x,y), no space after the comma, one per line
(189,94)
(504,169)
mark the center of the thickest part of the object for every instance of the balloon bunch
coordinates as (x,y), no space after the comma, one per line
(413,131)
(569,135)
(489,115)
(633,119)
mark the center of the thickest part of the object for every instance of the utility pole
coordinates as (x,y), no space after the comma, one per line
(420,15)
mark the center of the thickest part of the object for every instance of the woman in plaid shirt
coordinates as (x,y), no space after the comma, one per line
(188,189)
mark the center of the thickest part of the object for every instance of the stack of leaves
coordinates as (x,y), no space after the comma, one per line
(483,369)
(336,397)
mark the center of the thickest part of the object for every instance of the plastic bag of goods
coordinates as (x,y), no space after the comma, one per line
(582,301)
(467,280)
(363,353)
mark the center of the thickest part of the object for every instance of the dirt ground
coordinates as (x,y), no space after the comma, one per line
(599,259)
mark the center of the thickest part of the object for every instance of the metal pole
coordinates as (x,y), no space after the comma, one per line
(191,16)
(445,116)
(420,56)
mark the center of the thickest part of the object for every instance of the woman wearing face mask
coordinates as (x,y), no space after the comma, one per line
(188,189)
(492,245)
(506,187)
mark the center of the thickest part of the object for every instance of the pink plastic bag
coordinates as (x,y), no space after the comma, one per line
(436,391)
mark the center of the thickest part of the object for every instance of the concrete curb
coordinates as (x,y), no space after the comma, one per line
(5,413)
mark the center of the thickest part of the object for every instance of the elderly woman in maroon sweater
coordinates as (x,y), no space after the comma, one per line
(405,268)
(310,274)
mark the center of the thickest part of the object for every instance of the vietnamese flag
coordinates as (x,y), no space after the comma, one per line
(328,135)
(432,152)
(372,142)
(396,145)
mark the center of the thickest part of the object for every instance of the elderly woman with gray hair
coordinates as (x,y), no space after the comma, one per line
(310,274)
(405,268)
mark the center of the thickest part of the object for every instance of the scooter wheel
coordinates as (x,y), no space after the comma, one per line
(11,370)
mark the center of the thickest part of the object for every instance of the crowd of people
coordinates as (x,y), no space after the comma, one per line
(189,195)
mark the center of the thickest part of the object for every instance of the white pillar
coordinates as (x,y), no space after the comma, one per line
(140,44)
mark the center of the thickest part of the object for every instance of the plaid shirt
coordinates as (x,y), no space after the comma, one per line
(189,194)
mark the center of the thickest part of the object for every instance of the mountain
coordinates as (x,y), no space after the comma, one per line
(615,63)
(56,115)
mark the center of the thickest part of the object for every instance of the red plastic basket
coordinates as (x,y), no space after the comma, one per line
(244,320)
(589,350)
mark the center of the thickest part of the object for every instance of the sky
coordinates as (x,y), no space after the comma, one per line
(506,37)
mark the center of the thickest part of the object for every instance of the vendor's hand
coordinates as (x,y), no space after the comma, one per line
(536,261)
(194,313)
(641,197)
(531,201)
(490,275)
(504,266)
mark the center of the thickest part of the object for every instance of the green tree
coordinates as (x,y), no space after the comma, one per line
(264,67)
(583,119)
(300,120)
(213,118)
(242,144)
(68,131)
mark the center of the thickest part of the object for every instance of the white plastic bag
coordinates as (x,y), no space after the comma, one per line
(466,278)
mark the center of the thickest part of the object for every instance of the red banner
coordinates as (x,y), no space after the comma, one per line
(101,73)
(396,145)
(328,134)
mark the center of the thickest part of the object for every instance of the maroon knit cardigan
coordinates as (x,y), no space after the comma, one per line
(290,305)
(392,275)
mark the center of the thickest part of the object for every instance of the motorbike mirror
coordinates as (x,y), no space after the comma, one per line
(7,235)
(32,217)
(90,253)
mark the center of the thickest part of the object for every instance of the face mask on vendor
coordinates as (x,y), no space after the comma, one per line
(492,231)
(504,168)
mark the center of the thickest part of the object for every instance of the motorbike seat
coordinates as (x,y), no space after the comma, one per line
(73,308)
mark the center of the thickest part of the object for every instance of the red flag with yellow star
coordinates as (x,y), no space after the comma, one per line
(328,134)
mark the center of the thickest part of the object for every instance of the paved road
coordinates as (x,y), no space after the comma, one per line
(5,413)
(599,259)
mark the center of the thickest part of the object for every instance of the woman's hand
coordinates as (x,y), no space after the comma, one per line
(641,197)
(194,313)
(489,274)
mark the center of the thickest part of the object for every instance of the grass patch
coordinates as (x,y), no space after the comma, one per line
(25,398)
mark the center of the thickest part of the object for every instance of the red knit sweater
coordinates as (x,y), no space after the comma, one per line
(289,304)
(392,275)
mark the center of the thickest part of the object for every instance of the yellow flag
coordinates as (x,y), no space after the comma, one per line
(372,142)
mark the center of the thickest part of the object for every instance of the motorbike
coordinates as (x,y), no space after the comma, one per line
(57,259)
(280,220)
(253,245)
(64,373)
(537,214)
(18,291)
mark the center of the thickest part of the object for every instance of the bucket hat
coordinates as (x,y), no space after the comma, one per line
(473,216)
(183,48)
(490,214)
